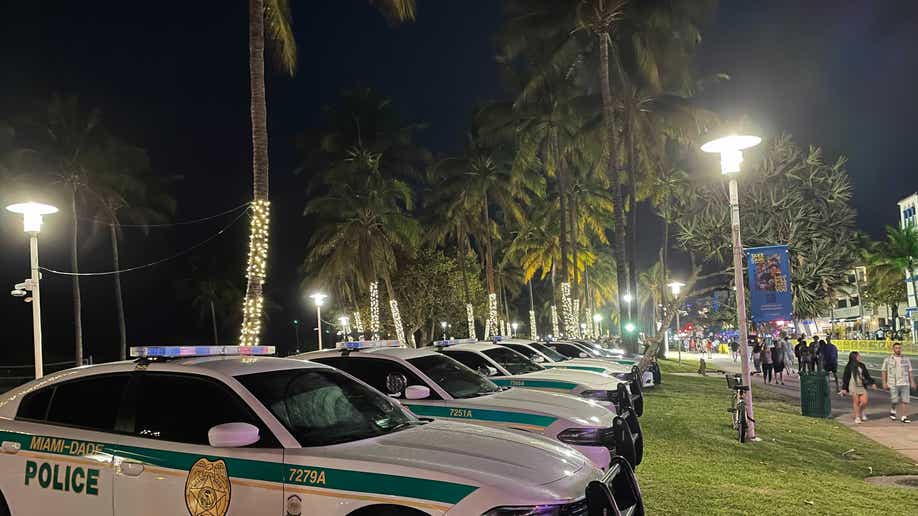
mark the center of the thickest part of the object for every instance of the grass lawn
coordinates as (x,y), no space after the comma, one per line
(694,465)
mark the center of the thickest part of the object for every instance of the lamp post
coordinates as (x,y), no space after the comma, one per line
(296,329)
(597,318)
(32,213)
(514,326)
(676,286)
(627,298)
(443,327)
(319,300)
(730,149)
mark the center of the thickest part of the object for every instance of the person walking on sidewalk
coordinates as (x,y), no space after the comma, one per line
(816,353)
(767,361)
(830,359)
(757,356)
(777,357)
(856,381)
(898,376)
(734,350)
(788,353)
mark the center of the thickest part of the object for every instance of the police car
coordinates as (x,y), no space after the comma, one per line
(586,349)
(431,384)
(194,431)
(548,358)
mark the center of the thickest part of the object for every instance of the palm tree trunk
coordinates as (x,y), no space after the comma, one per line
(461,256)
(75,267)
(252,314)
(531,300)
(632,187)
(489,249)
(562,191)
(575,228)
(213,320)
(613,170)
(119,301)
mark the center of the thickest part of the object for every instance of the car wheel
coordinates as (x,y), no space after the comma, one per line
(4,509)
(624,442)
(387,510)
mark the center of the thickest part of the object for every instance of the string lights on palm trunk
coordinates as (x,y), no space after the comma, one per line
(492,315)
(470,315)
(252,307)
(374,310)
(554,321)
(533,334)
(397,321)
(358,325)
(567,310)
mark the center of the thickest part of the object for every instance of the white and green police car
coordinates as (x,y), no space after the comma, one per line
(434,385)
(176,432)
(548,358)
(584,349)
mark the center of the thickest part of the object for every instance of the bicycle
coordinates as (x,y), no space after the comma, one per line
(738,406)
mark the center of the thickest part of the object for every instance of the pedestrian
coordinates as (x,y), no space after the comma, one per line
(757,356)
(788,353)
(777,357)
(734,350)
(767,362)
(856,381)
(798,352)
(898,376)
(805,355)
(816,353)
(830,359)
(710,349)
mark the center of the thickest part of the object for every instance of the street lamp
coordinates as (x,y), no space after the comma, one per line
(319,300)
(32,213)
(731,149)
(443,326)
(629,327)
(514,327)
(296,329)
(676,286)
(597,318)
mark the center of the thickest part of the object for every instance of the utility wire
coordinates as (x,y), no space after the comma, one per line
(151,264)
(168,224)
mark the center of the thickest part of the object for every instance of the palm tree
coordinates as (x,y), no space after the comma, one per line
(363,223)
(63,134)
(396,11)
(273,15)
(125,192)
(474,182)
(901,251)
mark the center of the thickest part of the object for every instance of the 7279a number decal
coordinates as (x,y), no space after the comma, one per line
(307,476)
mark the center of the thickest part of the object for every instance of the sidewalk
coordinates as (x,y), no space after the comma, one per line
(895,435)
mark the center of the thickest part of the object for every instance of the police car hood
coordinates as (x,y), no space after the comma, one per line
(609,366)
(580,411)
(587,379)
(476,454)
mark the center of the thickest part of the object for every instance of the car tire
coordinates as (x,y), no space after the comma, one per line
(4,508)
(624,442)
(387,510)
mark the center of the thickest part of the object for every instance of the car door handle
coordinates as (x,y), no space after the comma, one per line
(131,469)
(11,447)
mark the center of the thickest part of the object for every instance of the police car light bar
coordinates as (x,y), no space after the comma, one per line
(369,344)
(453,342)
(199,351)
(497,338)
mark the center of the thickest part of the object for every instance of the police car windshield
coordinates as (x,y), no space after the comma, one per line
(552,355)
(321,407)
(512,361)
(453,377)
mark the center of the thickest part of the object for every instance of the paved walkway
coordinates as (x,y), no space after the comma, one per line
(900,437)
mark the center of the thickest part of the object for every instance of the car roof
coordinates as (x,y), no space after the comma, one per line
(215,366)
(402,353)
(473,346)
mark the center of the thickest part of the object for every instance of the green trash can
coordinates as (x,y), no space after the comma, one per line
(814,394)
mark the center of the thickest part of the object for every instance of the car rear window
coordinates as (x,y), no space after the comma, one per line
(88,403)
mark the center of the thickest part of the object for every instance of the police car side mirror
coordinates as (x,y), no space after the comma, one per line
(583,355)
(232,435)
(417,392)
(538,359)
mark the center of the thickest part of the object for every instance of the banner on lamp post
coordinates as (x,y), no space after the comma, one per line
(769,284)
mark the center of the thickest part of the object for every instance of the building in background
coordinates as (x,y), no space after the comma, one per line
(851,317)
(907,216)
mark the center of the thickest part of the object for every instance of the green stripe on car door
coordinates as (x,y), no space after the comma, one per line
(337,479)
(536,384)
(580,368)
(499,416)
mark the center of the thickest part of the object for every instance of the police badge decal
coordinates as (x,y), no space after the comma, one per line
(207,488)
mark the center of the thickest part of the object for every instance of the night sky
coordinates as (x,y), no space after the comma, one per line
(173,77)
